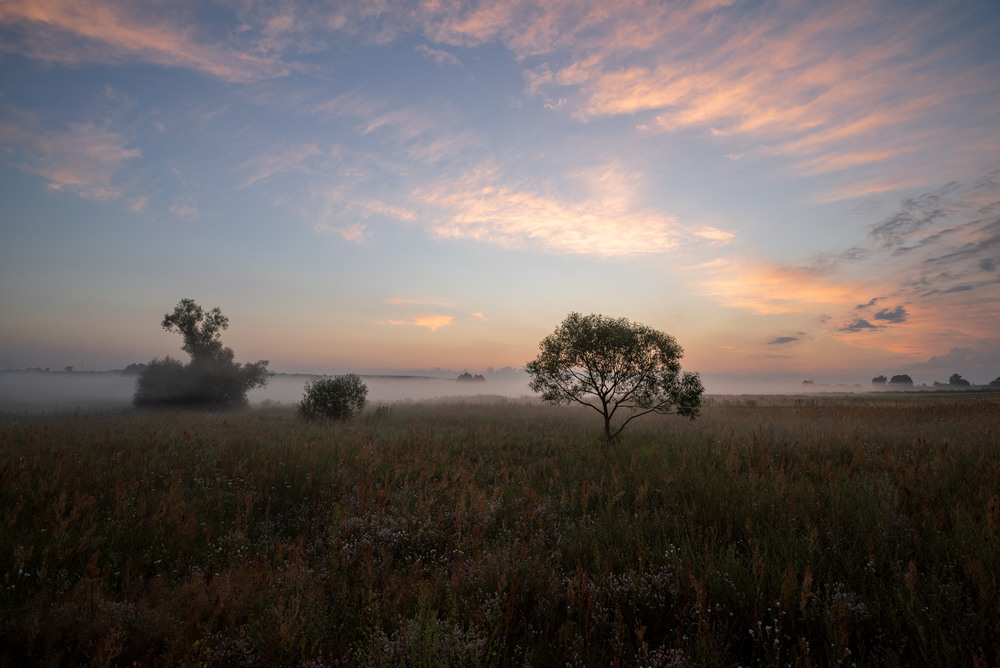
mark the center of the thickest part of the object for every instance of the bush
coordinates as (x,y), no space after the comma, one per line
(337,397)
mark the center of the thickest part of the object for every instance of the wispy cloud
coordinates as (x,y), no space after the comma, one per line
(187,209)
(782,340)
(482,207)
(280,160)
(768,288)
(431,322)
(422,134)
(356,232)
(94,31)
(831,86)
(82,158)
(934,258)
(439,56)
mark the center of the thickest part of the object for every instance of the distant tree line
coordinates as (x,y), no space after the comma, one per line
(956,381)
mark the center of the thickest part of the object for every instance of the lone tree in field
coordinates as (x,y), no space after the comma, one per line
(612,364)
(211,378)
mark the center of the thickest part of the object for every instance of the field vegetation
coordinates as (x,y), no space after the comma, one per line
(773,531)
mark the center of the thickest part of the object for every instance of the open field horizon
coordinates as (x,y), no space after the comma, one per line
(776,530)
(60,391)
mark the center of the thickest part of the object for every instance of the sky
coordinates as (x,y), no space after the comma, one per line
(791,189)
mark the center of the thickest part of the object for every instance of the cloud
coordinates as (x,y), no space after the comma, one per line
(356,233)
(964,360)
(859,325)
(85,159)
(74,32)
(481,207)
(782,340)
(280,160)
(431,322)
(915,215)
(815,83)
(895,315)
(186,209)
(870,303)
(428,135)
(947,234)
(437,55)
(770,288)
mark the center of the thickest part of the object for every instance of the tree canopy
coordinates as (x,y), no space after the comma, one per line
(615,367)
(201,330)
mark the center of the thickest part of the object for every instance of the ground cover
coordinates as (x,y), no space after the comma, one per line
(853,530)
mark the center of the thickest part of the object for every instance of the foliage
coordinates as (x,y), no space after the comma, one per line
(879,380)
(956,380)
(337,397)
(612,364)
(901,379)
(806,531)
(211,378)
(201,330)
(206,382)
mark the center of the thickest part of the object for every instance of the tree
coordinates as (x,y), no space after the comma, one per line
(901,379)
(879,380)
(337,398)
(201,330)
(956,380)
(211,378)
(612,365)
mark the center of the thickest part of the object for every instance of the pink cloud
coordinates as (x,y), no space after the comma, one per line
(85,159)
(82,31)
(605,221)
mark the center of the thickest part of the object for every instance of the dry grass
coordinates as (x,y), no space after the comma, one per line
(772,531)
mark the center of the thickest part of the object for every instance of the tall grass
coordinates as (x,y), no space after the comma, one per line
(772,531)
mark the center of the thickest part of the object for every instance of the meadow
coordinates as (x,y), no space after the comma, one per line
(773,531)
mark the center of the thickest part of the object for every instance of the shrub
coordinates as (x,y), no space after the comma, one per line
(337,397)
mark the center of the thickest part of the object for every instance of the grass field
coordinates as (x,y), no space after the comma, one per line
(830,530)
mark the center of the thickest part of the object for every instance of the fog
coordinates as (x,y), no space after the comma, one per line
(44,392)
(288,389)
(59,392)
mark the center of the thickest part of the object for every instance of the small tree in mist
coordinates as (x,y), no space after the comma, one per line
(612,365)
(211,378)
(335,398)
